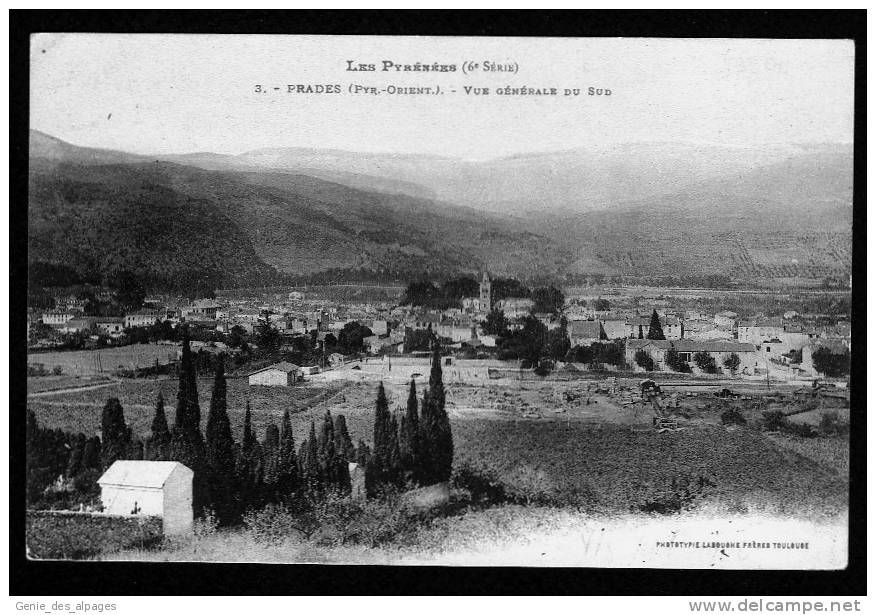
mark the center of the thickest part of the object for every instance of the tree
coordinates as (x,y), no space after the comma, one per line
(187,442)
(495,323)
(732,362)
(114,432)
(644,360)
(310,470)
(159,440)
(220,462)
(129,289)
(435,432)
(548,299)
(829,363)
(288,462)
(409,437)
(249,468)
(75,463)
(705,362)
(343,443)
(557,342)
(188,410)
(675,362)
(383,437)
(268,339)
(350,339)
(655,330)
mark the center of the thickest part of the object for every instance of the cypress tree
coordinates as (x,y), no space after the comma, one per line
(655,330)
(270,452)
(91,455)
(288,460)
(382,437)
(272,437)
(343,444)
(115,434)
(437,439)
(76,462)
(160,438)
(249,468)
(395,472)
(187,442)
(640,333)
(310,469)
(220,451)
(409,438)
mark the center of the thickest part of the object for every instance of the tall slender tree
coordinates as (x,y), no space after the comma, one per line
(435,431)
(159,440)
(383,437)
(655,330)
(249,467)
(288,460)
(187,441)
(220,463)
(115,435)
(343,444)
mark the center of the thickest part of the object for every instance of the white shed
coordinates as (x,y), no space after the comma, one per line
(280,374)
(153,488)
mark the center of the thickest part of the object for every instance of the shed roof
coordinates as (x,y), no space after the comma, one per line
(590,329)
(151,474)
(283,366)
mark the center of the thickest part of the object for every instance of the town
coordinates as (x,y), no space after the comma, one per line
(309,331)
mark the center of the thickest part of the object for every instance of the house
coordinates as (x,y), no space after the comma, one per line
(719,350)
(202,309)
(726,319)
(585,332)
(78,325)
(614,329)
(154,488)
(515,307)
(113,326)
(282,374)
(141,318)
(835,346)
(56,319)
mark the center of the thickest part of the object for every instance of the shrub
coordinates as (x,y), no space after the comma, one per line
(773,420)
(273,524)
(644,360)
(732,362)
(64,535)
(705,362)
(57,370)
(682,493)
(675,362)
(732,416)
(831,425)
(482,486)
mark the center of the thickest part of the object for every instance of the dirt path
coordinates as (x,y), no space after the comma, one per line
(87,387)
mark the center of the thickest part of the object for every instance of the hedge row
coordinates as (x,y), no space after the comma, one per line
(70,535)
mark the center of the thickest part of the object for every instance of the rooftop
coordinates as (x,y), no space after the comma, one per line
(152,474)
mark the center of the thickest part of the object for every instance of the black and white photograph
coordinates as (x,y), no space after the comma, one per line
(493,301)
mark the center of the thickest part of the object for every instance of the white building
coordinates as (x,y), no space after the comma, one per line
(141,318)
(57,318)
(152,488)
(278,375)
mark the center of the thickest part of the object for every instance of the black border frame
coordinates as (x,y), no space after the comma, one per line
(129,578)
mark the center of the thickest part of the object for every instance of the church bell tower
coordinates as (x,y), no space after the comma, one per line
(486,302)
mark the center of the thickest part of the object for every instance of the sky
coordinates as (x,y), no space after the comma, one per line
(166,94)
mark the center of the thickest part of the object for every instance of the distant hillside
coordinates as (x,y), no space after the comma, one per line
(790,219)
(167,221)
(639,210)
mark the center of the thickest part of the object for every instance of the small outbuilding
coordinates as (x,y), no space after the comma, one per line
(282,374)
(150,488)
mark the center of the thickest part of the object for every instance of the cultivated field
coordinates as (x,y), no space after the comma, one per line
(557,442)
(91,362)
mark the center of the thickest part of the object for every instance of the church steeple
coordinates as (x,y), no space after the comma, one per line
(486,300)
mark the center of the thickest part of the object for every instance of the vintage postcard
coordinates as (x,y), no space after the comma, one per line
(454,301)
